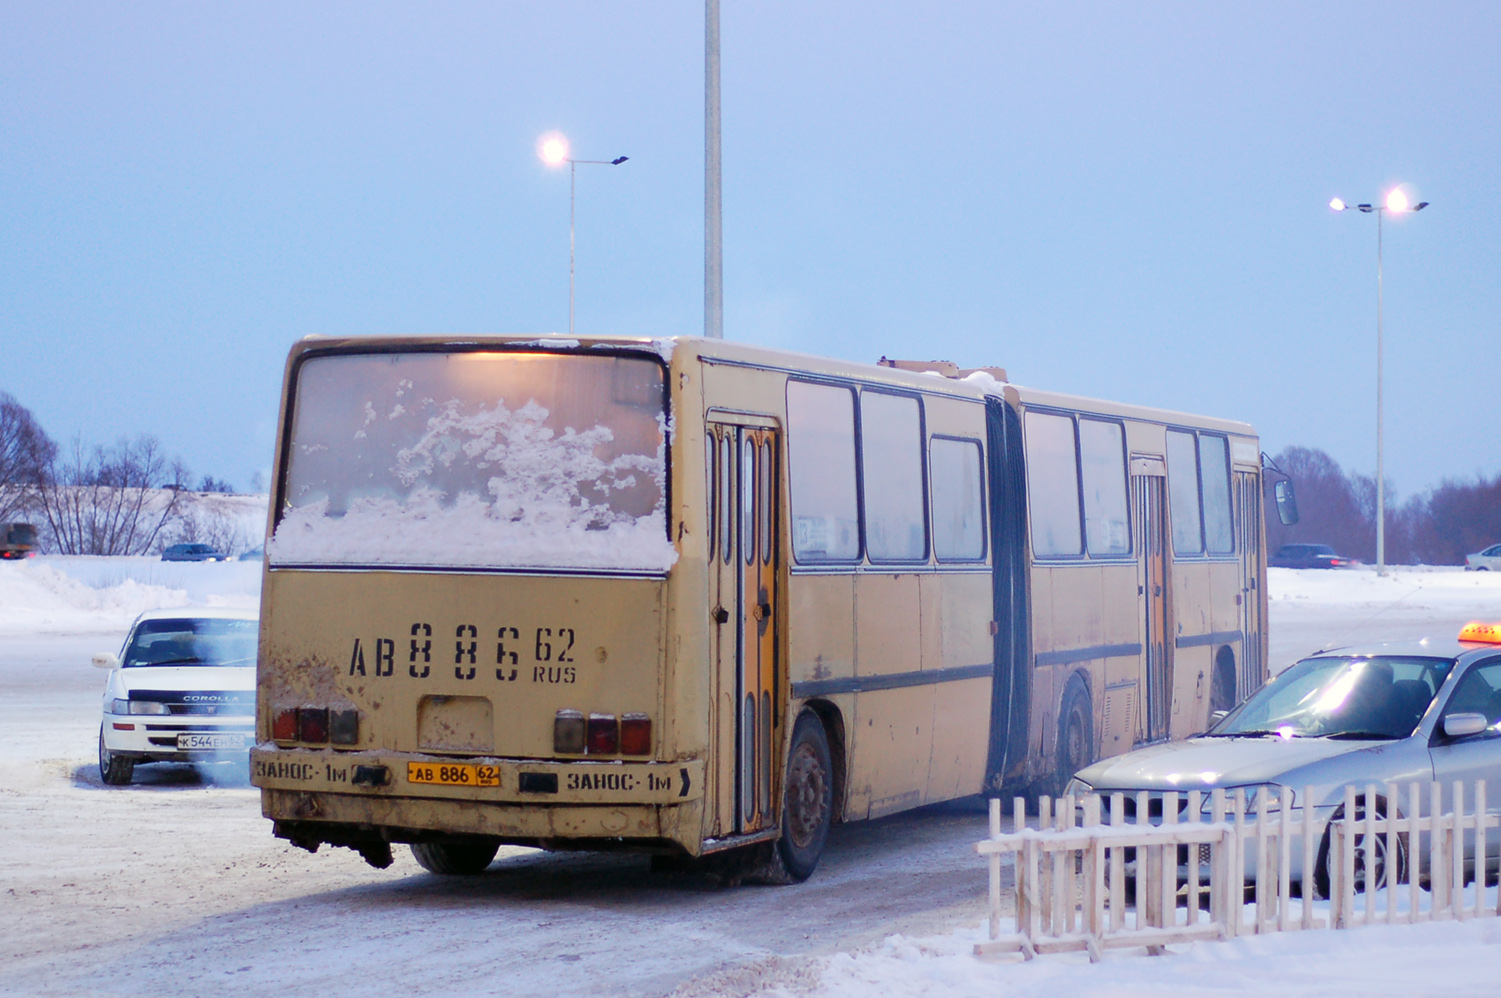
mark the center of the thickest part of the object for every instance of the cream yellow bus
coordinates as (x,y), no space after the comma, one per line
(703,599)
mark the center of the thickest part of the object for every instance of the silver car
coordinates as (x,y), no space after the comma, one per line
(1488,560)
(1428,710)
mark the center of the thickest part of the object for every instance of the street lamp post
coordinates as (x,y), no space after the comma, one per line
(554,152)
(1396,202)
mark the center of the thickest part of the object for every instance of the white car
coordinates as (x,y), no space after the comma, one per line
(182,689)
(1488,560)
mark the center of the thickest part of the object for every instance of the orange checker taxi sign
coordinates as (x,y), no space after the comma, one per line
(1481,633)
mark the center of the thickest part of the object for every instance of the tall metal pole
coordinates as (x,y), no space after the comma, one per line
(1380,449)
(713,232)
(572,178)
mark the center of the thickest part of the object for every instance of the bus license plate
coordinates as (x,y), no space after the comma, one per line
(453,774)
(209,743)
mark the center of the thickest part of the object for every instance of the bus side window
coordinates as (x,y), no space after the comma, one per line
(891,460)
(1183,493)
(956,475)
(1214,476)
(821,472)
(1053,485)
(1102,452)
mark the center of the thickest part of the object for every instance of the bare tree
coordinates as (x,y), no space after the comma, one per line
(112,500)
(26,452)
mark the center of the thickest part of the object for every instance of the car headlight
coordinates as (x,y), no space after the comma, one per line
(1077,788)
(1270,793)
(147,707)
(119,706)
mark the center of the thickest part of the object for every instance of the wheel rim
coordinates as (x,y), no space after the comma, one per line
(1073,741)
(807,792)
(1378,878)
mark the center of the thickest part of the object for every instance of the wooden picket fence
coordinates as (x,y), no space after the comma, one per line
(1157,868)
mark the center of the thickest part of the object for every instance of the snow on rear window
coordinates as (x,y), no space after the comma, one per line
(477,460)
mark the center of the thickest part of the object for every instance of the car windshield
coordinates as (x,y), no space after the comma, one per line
(1346,696)
(192,641)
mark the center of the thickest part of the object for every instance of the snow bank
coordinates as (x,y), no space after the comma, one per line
(1418,587)
(84,594)
(1379,960)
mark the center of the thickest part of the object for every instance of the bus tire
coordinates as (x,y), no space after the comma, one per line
(456,859)
(807,812)
(808,807)
(1222,692)
(1075,734)
(116,770)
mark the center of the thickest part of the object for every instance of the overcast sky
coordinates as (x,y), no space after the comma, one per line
(1120,201)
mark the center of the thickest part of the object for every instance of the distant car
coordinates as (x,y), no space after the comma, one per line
(182,689)
(256,554)
(1308,556)
(193,552)
(1378,713)
(1488,560)
(17,540)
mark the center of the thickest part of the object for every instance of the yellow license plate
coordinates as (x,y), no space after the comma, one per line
(453,774)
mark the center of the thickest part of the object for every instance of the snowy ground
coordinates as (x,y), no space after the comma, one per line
(175,886)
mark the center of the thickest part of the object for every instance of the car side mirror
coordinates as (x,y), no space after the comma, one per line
(1287,502)
(105,660)
(1215,717)
(1465,724)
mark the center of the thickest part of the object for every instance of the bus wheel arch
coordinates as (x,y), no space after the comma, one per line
(1075,732)
(1222,692)
(832,720)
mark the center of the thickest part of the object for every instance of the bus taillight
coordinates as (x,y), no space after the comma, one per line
(568,732)
(312,725)
(635,735)
(284,725)
(604,734)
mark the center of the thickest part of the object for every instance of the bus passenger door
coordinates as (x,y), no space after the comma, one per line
(1248,515)
(1151,529)
(746,725)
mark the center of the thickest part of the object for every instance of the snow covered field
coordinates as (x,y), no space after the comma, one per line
(175,886)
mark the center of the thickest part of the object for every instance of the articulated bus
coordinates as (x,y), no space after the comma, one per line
(702,599)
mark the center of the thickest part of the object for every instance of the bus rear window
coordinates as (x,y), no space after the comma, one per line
(478,460)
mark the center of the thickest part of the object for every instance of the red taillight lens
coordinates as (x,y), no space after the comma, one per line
(568,732)
(312,725)
(284,725)
(635,735)
(604,734)
(344,727)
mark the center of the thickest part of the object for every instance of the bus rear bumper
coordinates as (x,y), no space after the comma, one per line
(349,798)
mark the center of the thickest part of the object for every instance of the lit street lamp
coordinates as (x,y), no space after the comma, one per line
(1396,202)
(553,149)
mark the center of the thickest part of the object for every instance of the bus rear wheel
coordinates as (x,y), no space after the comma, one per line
(808,808)
(465,858)
(807,812)
(1075,735)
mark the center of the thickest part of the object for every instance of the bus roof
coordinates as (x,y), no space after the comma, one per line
(731,352)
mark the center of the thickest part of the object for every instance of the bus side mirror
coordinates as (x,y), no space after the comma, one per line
(1287,502)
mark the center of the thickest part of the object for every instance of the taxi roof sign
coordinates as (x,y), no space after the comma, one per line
(1489,634)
